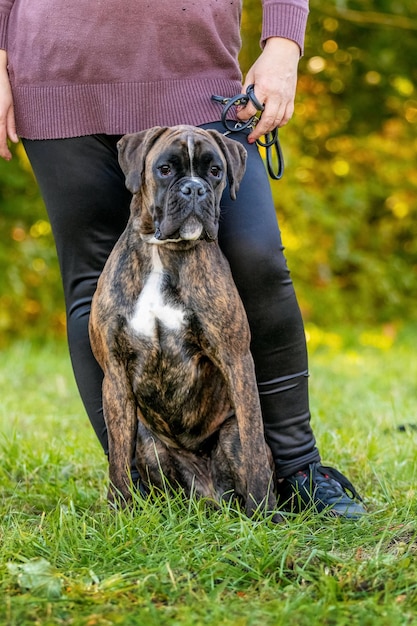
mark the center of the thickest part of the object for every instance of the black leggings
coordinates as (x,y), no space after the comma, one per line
(88,205)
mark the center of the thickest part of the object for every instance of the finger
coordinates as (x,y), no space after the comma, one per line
(271,115)
(11,126)
(244,113)
(4,148)
(270,121)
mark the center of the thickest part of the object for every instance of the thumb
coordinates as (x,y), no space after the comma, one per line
(249,110)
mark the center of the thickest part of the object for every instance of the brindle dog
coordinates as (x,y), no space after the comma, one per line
(169,329)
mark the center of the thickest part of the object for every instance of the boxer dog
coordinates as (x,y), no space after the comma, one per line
(169,330)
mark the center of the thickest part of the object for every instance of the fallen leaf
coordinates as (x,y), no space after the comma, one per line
(39,577)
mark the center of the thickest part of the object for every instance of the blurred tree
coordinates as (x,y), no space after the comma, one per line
(30,287)
(348,201)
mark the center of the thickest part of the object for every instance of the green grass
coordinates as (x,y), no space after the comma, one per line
(66,559)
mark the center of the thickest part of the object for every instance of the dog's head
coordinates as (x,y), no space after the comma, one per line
(178,175)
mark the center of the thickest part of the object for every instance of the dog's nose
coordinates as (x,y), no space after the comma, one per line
(193,188)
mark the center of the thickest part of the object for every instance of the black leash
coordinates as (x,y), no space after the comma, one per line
(271,139)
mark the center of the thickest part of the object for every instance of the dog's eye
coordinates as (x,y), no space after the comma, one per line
(215,171)
(165,170)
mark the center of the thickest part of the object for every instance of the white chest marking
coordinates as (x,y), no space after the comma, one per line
(151,308)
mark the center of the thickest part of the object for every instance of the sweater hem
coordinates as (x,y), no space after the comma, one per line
(58,112)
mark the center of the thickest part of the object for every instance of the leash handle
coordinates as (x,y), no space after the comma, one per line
(272,141)
(271,138)
(230,125)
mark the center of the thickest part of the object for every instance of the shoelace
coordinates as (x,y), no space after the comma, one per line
(331,481)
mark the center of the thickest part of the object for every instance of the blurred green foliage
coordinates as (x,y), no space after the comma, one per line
(31,301)
(347,204)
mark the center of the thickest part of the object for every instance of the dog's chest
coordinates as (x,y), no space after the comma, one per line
(153,307)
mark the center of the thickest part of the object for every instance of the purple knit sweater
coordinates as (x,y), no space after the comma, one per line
(110,66)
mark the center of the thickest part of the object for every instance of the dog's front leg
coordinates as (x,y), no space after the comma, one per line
(119,408)
(257,465)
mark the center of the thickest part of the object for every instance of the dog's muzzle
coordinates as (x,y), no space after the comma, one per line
(190,212)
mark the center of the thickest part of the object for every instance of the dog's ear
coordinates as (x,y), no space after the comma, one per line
(133,149)
(235,155)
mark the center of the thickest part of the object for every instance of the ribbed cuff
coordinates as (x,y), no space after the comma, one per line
(4,21)
(285,19)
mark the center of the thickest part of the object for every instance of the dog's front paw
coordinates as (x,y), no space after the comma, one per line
(119,498)
(261,505)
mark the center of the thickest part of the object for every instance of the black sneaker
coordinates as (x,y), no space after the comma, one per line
(321,488)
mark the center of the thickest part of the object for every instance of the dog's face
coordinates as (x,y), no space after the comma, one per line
(178,175)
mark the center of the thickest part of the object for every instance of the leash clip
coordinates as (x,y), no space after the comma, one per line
(271,138)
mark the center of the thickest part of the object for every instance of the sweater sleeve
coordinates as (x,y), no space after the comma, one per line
(285,18)
(5,8)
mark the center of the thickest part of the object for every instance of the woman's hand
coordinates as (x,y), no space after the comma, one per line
(7,121)
(274,75)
